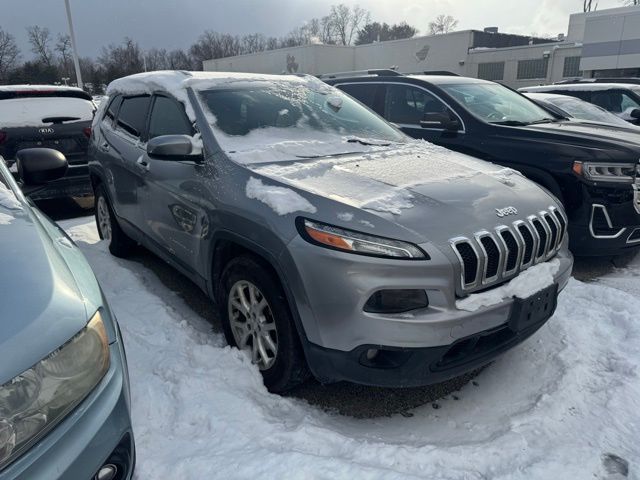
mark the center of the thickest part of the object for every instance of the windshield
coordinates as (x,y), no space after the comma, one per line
(274,121)
(497,104)
(586,111)
(39,111)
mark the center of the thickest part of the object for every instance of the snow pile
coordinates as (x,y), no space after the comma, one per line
(6,219)
(565,404)
(527,283)
(8,199)
(281,200)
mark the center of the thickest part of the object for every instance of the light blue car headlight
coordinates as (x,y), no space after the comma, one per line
(36,400)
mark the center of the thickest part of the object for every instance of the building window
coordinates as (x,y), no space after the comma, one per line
(571,67)
(537,68)
(491,71)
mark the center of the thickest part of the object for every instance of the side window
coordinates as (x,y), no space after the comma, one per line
(168,118)
(408,105)
(133,115)
(369,94)
(628,103)
(112,109)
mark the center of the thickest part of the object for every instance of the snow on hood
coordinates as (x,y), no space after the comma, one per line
(281,200)
(387,179)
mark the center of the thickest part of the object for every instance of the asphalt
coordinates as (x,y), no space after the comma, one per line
(344,398)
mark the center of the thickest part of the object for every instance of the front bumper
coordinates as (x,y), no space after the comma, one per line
(96,433)
(330,293)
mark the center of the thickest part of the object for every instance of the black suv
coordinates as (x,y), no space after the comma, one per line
(51,117)
(593,170)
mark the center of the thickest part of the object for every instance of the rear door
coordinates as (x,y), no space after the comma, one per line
(121,147)
(173,190)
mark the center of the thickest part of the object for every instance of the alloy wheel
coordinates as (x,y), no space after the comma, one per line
(104,218)
(252,323)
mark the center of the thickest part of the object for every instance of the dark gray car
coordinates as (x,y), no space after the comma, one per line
(332,243)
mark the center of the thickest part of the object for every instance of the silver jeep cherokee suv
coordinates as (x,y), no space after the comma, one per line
(332,243)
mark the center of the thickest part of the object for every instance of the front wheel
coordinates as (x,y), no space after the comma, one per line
(256,319)
(120,244)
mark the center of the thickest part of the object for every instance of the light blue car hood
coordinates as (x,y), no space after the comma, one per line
(41,304)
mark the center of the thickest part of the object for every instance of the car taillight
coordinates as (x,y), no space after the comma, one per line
(87,131)
(3,137)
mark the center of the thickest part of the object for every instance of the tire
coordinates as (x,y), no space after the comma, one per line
(266,324)
(120,245)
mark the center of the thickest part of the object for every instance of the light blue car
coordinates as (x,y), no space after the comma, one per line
(64,386)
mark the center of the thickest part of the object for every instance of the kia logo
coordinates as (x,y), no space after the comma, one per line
(46,131)
(504,212)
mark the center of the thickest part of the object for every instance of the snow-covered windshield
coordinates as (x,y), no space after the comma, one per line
(497,104)
(39,111)
(586,111)
(280,121)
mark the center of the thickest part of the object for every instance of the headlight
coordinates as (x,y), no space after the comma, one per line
(37,399)
(338,238)
(606,172)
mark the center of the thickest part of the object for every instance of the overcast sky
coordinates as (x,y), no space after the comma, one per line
(177,23)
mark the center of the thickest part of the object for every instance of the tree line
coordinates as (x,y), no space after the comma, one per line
(52,60)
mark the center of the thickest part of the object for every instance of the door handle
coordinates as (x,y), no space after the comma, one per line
(105,146)
(143,163)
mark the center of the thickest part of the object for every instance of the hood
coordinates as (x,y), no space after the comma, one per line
(589,133)
(433,192)
(41,306)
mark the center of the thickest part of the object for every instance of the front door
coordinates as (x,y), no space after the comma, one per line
(173,191)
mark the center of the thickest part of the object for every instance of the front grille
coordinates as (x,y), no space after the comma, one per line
(490,257)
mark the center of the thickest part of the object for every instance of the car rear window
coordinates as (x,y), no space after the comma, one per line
(38,111)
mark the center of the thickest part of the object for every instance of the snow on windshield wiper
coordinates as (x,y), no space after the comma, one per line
(339,154)
(544,120)
(370,143)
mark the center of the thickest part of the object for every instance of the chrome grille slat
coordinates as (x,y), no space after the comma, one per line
(485,257)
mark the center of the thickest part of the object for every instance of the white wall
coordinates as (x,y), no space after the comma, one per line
(312,59)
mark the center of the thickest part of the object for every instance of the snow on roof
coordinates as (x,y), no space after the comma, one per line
(38,88)
(175,82)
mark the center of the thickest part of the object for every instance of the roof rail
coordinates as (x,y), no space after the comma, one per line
(444,73)
(380,72)
(630,80)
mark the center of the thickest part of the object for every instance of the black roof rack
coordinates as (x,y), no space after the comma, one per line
(630,80)
(380,72)
(444,73)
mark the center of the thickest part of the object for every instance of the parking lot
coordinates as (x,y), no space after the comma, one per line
(564,401)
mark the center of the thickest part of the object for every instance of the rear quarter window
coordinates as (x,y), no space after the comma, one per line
(39,111)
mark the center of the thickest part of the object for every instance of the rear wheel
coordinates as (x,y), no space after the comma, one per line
(120,244)
(256,318)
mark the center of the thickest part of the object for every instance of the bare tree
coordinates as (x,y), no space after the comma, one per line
(442,24)
(347,21)
(121,60)
(588,5)
(9,54)
(179,60)
(63,47)
(40,40)
(157,59)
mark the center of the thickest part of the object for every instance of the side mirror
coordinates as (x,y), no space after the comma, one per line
(173,147)
(635,113)
(440,120)
(40,165)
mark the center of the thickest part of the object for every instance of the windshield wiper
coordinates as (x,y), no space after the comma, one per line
(369,144)
(59,119)
(544,120)
(339,154)
(512,123)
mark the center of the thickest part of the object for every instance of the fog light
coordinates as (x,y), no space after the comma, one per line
(396,301)
(372,353)
(107,472)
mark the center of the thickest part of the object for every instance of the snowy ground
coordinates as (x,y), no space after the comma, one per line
(565,404)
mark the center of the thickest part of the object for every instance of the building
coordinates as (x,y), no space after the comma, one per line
(604,43)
